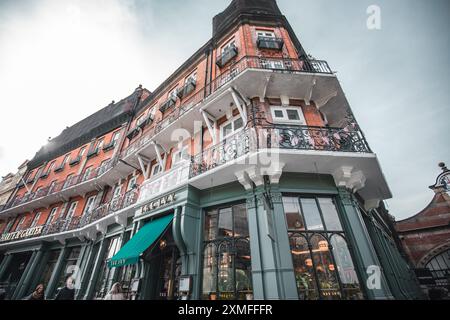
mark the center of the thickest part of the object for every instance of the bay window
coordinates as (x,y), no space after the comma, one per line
(322,261)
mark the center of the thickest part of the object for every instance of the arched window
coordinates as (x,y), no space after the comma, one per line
(226,255)
(440,268)
(322,262)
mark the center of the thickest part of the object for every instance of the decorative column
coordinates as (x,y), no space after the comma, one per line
(5,264)
(31,272)
(367,263)
(95,269)
(55,274)
(22,278)
(190,230)
(263,237)
(86,271)
(285,265)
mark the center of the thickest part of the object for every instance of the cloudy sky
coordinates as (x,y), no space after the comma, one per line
(61,60)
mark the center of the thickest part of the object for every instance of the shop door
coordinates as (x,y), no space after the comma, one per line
(15,271)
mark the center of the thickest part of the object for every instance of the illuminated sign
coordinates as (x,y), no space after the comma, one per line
(17,235)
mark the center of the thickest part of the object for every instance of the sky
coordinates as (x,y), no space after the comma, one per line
(62,60)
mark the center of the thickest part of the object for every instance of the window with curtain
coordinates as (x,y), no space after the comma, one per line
(322,261)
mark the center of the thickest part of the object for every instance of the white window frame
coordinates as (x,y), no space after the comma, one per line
(52,215)
(173,93)
(232,120)
(36,218)
(21,222)
(116,136)
(264,33)
(285,119)
(117,191)
(72,209)
(230,44)
(89,205)
(66,159)
(100,144)
(179,154)
(82,152)
(192,76)
(9,226)
(131,182)
(156,165)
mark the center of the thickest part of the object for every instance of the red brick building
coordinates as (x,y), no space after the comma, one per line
(426,235)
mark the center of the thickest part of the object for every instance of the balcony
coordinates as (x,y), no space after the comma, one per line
(75,224)
(188,88)
(73,185)
(44,175)
(270,43)
(60,168)
(168,104)
(288,70)
(226,57)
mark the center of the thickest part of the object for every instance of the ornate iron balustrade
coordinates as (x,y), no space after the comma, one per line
(314,138)
(228,150)
(58,187)
(226,76)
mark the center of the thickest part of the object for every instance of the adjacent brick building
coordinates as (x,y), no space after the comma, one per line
(426,235)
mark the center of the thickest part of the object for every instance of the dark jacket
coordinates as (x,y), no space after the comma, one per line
(65,294)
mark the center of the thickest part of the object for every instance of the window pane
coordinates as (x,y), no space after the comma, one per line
(243,271)
(293,114)
(227,130)
(325,268)
(225,223)
(239,123)
(240,221)
(330,215)
(209,273)
(278,114)
(226,281)
(311,214)
(292,210)
(303,268)
(211,225)
(346,269)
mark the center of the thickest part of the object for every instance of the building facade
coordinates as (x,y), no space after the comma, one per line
(426,239)
(243,176)
(9,182)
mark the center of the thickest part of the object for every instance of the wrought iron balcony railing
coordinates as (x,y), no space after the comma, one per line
(58,187)
(226,151)
(270,43)
(75,161)
(247,62)
(313,138)
(279,137)
(188,88)
(168,104)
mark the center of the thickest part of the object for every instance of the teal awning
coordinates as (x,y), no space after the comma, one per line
(144,238)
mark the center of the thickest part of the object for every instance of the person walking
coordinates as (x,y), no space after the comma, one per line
(38,293)
(116,292)
(68,292)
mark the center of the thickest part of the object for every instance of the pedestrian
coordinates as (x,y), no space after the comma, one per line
(116,292)
(68,292)
(38,293)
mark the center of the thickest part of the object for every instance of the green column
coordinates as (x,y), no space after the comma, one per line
(285,265)
(29,276)
(5,264)
(19,290)
(191,232)
(49,292)
(95,270)
(362,247)
(86,273)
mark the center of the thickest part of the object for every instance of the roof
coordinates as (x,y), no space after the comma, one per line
(95,125)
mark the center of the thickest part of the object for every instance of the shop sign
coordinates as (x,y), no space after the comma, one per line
(17,235)
(159,203)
